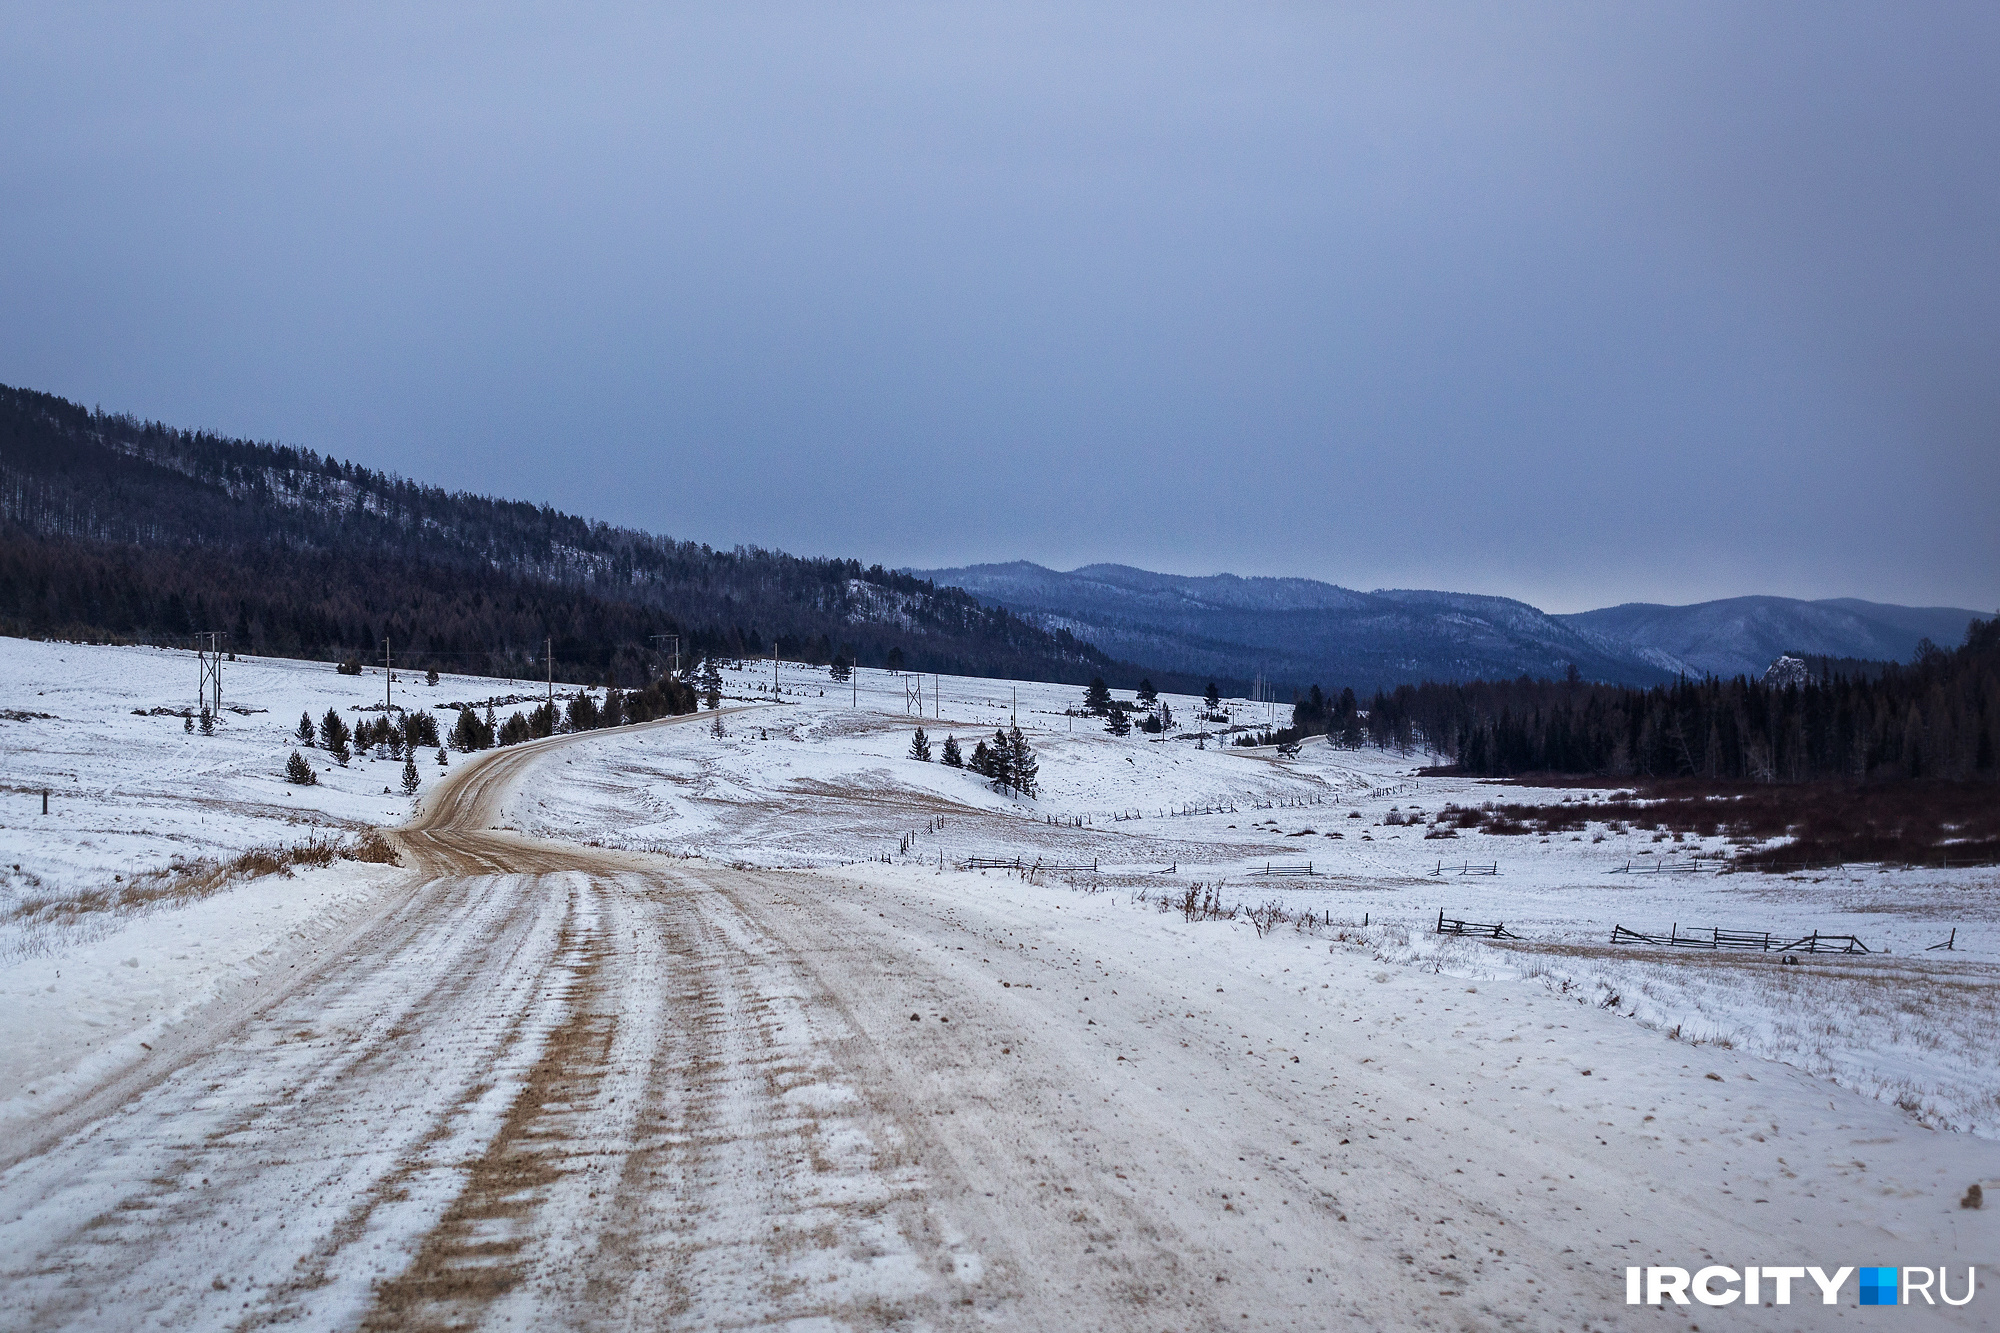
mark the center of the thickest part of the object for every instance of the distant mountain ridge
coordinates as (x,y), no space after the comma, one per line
(1298,631)
(1743,635)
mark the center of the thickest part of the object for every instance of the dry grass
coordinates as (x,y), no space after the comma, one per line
(182,881)
(1809,823)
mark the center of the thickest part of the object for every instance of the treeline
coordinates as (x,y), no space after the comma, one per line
(1936,717)
(664,697)
(121,530)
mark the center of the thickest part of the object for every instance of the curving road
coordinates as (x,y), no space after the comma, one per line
(548,1086)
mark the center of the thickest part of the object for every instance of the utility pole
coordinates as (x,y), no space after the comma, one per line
(774,669)
(208,659)
(854,682)
(549,652)
(1017,705)
(937,703)
(672,649)
(388,677)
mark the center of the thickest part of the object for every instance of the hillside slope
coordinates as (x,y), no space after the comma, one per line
(117,529)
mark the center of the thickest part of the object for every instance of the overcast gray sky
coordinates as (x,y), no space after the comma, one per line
(1579,304)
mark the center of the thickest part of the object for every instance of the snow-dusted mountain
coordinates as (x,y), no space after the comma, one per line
(1742,635)
(1299,631)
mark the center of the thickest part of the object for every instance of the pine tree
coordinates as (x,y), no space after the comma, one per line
(952,757)
(895,660)
(441,759)
(207,722)
(305,730)
(1213,697)
(1023,769)
(920,746)
(187,723)
(431,676)
(410,774)
(1003,759)
(333,735)
(711,683)
(465,735)
(1097,697)
(982,760)
(1147,694)
(840,670)
(298,772)
(1119,724)
(715,727)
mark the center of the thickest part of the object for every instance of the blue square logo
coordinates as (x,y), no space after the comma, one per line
(1879,1286)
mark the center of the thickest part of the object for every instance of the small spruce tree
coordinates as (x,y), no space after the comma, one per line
(1147,694)
(187,723)
(431,676)
(410,774)
(1118,724)
(952,755)
(441,759)
(920,746)
(1213,697)
(298,772)
(1097,698)
(305,730)
(1024,771)
(1003,759)
(207,722)
(982,760)
(715,727)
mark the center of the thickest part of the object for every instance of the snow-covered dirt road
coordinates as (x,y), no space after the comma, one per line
(546,1085)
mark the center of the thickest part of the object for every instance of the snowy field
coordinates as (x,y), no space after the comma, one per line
(818,775)
(813,780)
(130,789)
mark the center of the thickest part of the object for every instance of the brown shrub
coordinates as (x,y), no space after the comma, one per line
(1829,823)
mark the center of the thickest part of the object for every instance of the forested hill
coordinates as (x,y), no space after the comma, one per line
(1936,717)
(117,529)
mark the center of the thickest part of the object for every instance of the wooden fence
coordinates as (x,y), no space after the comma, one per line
(1488,930)
(1762,941)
